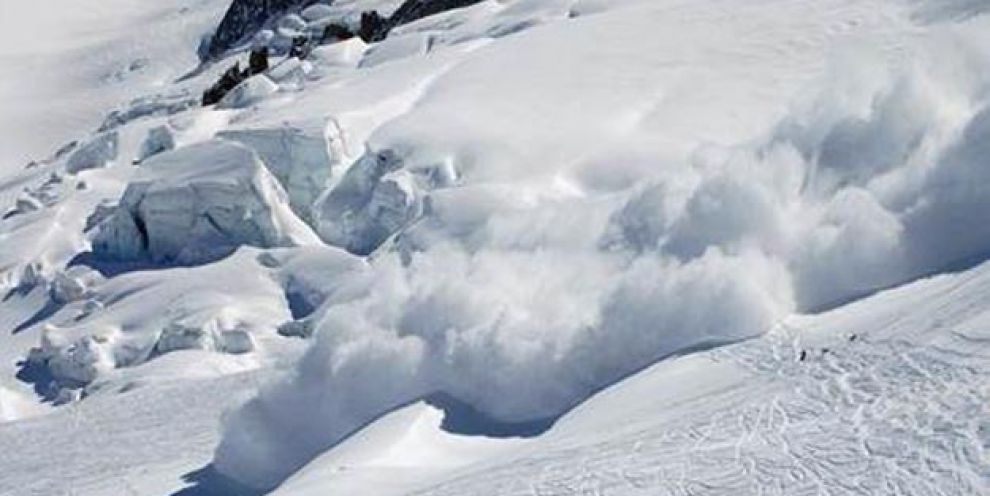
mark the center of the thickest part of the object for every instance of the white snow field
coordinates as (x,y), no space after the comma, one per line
(525,247)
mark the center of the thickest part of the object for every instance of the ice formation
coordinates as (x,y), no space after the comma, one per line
(197,204)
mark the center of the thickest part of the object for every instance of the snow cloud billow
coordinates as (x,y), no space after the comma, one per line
(519,335)
(522,297)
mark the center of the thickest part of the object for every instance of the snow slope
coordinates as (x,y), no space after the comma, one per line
(890,399)
(394,265)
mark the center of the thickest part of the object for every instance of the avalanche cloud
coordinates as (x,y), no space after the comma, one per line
(571,253)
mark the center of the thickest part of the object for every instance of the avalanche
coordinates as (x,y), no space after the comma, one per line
(501,247)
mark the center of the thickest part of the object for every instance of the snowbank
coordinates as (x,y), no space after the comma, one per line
(251,91)
(230,307)
(198,204)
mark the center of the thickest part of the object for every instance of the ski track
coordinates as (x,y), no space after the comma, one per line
(871,416)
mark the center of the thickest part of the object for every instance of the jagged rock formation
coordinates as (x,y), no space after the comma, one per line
(412,10)
(246,17)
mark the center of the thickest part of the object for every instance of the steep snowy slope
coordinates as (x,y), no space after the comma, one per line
(396,264)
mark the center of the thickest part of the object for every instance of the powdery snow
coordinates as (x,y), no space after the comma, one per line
(531,208)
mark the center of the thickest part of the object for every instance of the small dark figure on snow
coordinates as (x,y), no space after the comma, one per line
(374,27)
(336,32)
(802,356)
(258,60)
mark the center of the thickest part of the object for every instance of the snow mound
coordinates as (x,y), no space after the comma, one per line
(160,139)
(99,152)
(198,204)
(316,12)
(374,200)
(251,91)
(230,307)
(347,53)
(207,336)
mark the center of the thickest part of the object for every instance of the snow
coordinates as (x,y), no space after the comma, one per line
(199,203)
(399,451)
(667,228)
(251,91)
(160,139)
(303,160)
(892,397)
(101,151)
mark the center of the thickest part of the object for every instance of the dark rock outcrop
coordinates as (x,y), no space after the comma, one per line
(228,81)
(246,17)
(412,10)
(374,27)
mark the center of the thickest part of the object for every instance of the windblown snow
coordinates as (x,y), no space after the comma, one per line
(520,247)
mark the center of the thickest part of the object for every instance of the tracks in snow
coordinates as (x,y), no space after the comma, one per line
(866,417)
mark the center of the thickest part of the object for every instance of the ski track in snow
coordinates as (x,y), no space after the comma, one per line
(883,413)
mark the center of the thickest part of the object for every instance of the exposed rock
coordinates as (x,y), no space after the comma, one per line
(258,60)
(228,81)
(244,18)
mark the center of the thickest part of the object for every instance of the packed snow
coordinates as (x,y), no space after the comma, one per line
(520,247)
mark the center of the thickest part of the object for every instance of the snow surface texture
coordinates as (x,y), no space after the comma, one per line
(890,399)
(525,202)
(199,203)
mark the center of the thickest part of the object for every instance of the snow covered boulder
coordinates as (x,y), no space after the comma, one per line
(291,26)
(374,200)
(160,139)
(251,91)
(346,53)
(74,363)
(27,203)
(209,336)
(291,73)
(73,284)
(97,153)
(301,159)
(316,12)
(198,204)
